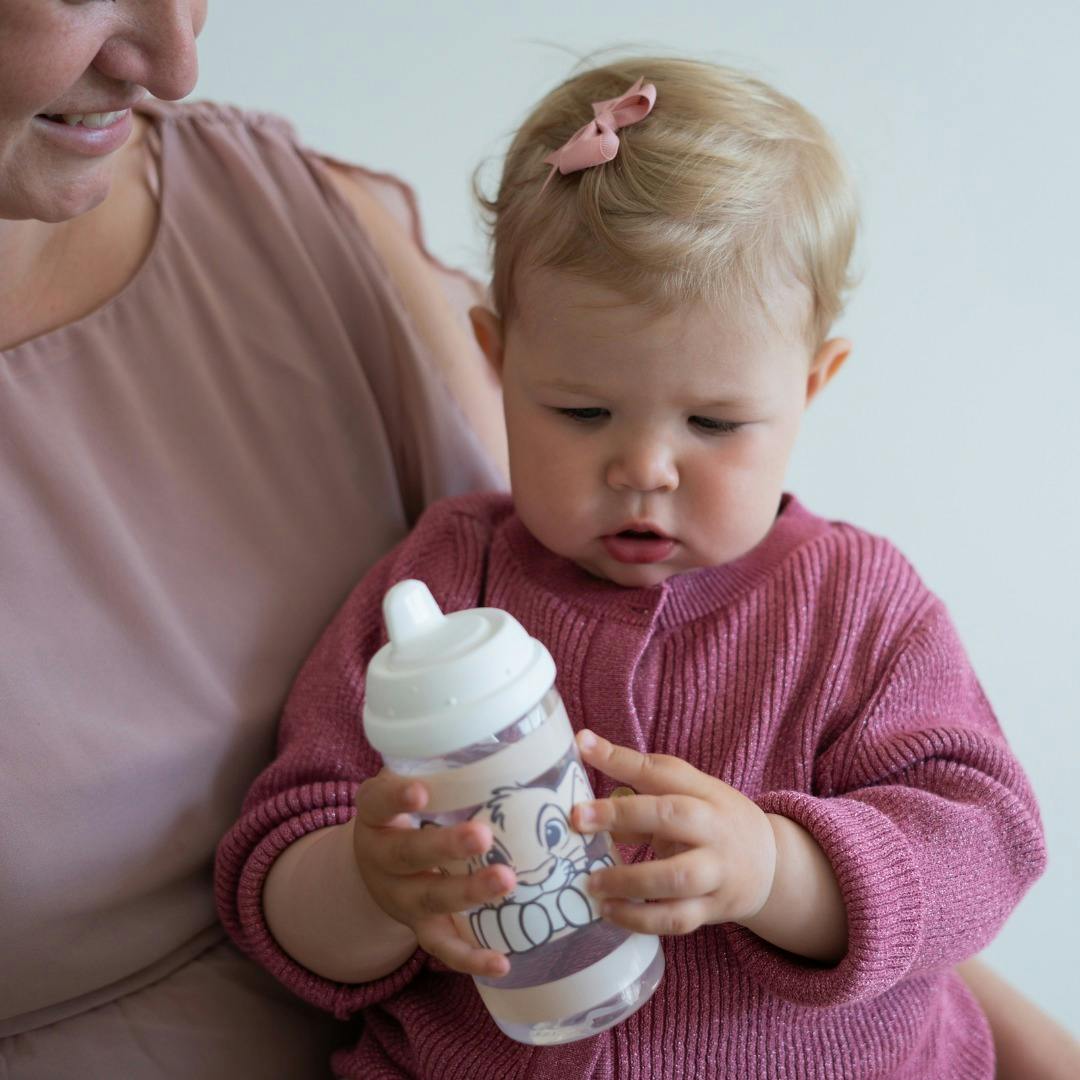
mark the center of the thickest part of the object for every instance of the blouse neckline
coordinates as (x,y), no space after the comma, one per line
(157,150)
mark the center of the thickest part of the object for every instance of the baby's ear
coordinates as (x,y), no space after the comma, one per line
(828,360)
(488,332)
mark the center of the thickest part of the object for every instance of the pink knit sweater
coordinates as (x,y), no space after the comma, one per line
(818,675)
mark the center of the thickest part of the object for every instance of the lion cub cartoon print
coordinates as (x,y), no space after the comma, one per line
(532,834)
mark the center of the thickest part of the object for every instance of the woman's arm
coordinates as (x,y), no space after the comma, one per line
(468,377)
(1030,1045)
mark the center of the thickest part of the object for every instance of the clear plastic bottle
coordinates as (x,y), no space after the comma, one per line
(467,703)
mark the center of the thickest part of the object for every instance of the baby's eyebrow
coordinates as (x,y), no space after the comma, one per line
(570,387)
(729,403)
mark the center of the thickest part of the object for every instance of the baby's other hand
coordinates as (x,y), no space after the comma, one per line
(399,864)
(716,851)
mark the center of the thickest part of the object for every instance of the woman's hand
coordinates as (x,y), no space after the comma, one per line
(715,848)
(399,865)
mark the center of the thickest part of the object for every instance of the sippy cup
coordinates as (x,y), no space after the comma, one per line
(467,703)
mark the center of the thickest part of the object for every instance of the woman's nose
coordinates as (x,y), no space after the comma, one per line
(155,48)
(643,465)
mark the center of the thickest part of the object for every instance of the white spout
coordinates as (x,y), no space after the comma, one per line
(410,612)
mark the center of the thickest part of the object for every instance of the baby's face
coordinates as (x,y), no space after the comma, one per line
(645,445)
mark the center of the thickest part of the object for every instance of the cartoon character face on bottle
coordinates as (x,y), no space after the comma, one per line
(532,833)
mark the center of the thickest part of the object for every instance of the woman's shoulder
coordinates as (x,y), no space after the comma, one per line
(222,148)
(211,114)
(249,172)
(251,165)
(239,184)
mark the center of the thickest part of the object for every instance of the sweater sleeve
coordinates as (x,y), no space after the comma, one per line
(929,823)
(322,755)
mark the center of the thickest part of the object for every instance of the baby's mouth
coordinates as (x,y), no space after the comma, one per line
(638,546)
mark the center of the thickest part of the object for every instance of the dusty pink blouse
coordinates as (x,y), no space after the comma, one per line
(191,479)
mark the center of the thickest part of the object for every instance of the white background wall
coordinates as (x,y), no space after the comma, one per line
(954,428)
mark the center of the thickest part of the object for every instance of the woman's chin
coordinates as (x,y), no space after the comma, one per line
(65,201)
(42,188)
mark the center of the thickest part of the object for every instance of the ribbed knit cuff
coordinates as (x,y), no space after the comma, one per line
(313,806)
(880,884)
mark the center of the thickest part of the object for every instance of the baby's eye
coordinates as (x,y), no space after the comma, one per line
(714,427)
(583,416)
(554,833)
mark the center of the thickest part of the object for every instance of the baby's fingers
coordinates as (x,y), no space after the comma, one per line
(410,851)
(440,939)
(381,799)
(663,917)
(422,896)
(684,876)
(680,819)
(654,774)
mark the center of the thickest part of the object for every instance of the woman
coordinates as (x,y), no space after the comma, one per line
(223,394)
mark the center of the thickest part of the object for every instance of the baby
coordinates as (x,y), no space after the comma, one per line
(833,816)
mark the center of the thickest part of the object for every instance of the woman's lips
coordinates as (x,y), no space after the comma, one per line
(87,141)
(631,547)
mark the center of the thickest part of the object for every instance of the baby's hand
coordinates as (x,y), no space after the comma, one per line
(716,852)
(399,866)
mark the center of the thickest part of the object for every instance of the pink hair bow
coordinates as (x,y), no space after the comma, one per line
(597,142)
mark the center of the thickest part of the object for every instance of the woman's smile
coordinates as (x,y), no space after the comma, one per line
(87,134)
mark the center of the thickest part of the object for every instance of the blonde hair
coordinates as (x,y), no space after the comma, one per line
(726,187)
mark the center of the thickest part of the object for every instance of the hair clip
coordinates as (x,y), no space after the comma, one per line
(597,142)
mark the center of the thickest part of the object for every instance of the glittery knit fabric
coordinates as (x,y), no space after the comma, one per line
(816,674)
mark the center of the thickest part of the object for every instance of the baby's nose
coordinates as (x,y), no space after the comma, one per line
(643,466)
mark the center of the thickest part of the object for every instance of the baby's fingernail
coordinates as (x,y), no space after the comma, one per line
(586,740)
(595,887)
(474,844)
(586,814)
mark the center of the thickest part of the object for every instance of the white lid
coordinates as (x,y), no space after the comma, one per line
(444,682)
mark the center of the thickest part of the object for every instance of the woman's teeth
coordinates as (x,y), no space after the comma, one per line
(90,120)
